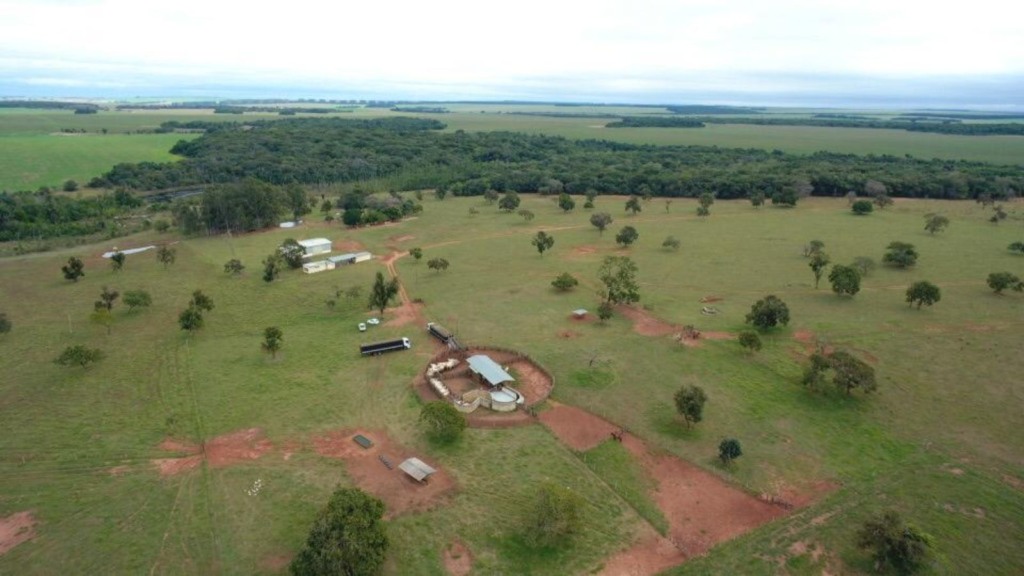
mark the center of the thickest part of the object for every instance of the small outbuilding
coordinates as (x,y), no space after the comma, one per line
(489,370)
(350,258)
(317,266)
(417,469)
(579,313)
(315,246)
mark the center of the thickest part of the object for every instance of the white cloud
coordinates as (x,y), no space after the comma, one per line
(626,46)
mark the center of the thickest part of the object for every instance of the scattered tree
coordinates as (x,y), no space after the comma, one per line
(565,282)
(490,196)
(234,267)
(273,339)
(556,515)
(440,192)
(785,198)
(107,299)
(416,253)
(845,280)
(271,267)
(201,301)
(137,299)
(704,202)
(863,264)
(103,317)
(5,323)
(600,220)
(668,205)
(813,247)
(566,203)
(671,243)
(543,241)
(326,206)
(819,261)
(935,223)
(348,538)
(757,198)
(729,450)
(166,255)
(352,216)
(900,255)
(768,312)
(850,372)
(878,192)
(894,544)
(70,186)
(618,274)
(998,214)
(74,269)
(923,292)
(383,292)
(750,340)
(690,404)
(509,202)
(292,252)
(814,374)
(633,205)
(1016,247)
(626,236)
(190,319)
(438,264)
(605,310)
(296,200)
(862,207)
(527,215)
(117,261)
(443,422)
(79,355)
(999,281)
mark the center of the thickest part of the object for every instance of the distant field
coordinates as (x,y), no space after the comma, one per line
(28,162)
(942,440)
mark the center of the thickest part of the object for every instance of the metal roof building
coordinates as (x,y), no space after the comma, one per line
(351,257)
(489,370)
(315,246)
(416,468)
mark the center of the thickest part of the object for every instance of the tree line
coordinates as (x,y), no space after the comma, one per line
(411,153)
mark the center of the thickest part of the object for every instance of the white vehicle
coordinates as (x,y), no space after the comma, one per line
(362,327)
(373,321)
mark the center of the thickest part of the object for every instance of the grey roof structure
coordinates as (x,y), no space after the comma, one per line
(489,370)
(416,468)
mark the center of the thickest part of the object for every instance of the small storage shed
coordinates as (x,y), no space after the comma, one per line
(315,246)
(350,258)
(418,469)
(318,266)
(489,370)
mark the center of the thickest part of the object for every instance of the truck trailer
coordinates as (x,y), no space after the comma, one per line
(386,346)
(443,334)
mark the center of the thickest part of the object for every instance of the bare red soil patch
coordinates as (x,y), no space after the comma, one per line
(219,452)
(399,492)
(15,529)
(711,299)
(568,334)
(701,508)
(649,556)
(346,246)
(578,429)
(402,238)
(645,323)
(457,559)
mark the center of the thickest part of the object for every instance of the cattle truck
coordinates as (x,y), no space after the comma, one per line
(385,346)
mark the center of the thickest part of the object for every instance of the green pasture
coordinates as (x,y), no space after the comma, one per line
(941,440)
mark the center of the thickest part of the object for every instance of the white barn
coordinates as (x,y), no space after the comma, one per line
(315,246)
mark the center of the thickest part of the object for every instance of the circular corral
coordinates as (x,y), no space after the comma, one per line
(532,381)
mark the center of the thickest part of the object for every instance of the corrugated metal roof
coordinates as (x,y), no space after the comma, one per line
(489,369)
(416,468)
(314,242)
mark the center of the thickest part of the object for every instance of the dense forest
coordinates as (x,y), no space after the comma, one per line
(655,122)
(411,153)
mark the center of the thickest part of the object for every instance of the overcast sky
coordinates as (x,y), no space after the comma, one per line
(876,52)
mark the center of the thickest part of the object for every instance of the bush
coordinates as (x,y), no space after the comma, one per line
(565,282)
(443,422)
(555,516)
(894,544)
(347,537)
(750,340)
(862,207)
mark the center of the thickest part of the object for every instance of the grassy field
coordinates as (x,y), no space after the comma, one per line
(36,154)
(941,441)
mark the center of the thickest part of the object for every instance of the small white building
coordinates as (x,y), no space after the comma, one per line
(318,266)
(350,258)
(315,246)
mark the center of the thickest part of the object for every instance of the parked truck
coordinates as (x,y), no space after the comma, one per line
(443,334)
(386,346)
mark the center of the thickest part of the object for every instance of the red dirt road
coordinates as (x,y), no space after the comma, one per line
(576,428)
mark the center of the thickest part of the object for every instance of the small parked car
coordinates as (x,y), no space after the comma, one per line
(362,327)
(373,321)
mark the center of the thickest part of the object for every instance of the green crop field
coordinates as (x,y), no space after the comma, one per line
(941,441)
